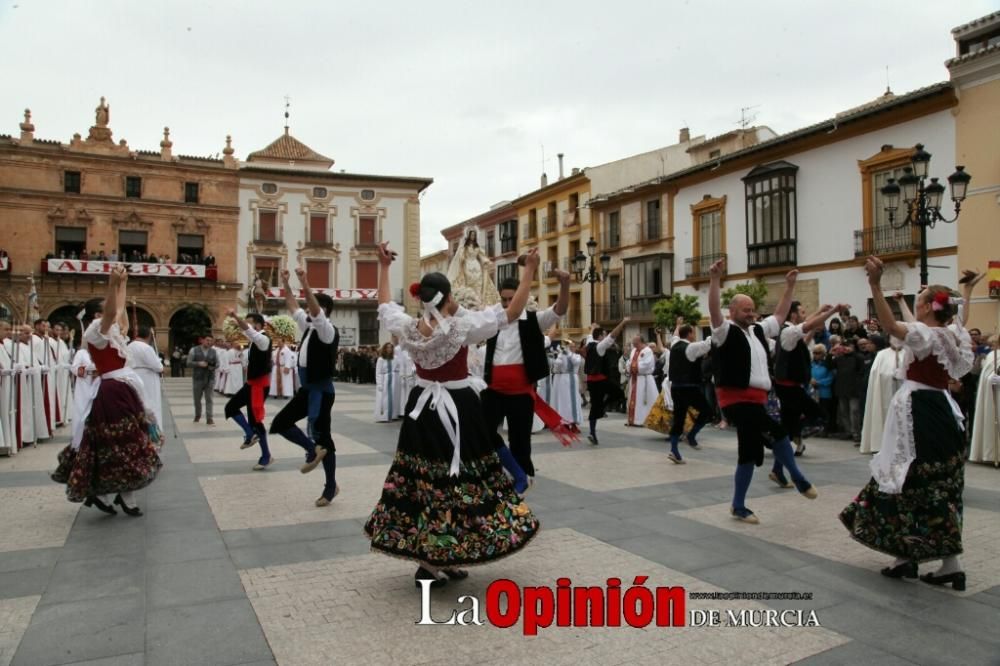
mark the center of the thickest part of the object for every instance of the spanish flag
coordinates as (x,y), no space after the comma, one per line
(994,277)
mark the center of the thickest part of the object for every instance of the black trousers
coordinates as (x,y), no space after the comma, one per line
(796,404)
(298,409)
(240,400)
(519,410)
(598,399)
(685,397)
(754,430)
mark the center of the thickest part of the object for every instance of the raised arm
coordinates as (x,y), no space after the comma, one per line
(969,280)
(516,306)
(715,293)
(562,302)
(873,266)
(813,323)
(781,310)
(385,258)
(616,331)
(904,309)
(116,291)
(291,302)
(312,305)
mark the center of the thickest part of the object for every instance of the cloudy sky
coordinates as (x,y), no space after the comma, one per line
(467,93)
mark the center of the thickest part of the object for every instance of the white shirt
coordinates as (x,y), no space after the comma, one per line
(694,350)
(791,336)
(759,376)
(258,338)
(323,326)
(508,349)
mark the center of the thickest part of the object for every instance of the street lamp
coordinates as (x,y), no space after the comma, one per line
(588,272)
(923,202)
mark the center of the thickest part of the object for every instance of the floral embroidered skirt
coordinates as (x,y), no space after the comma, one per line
(924,522)
(661,419)
(428,516)
(116,454)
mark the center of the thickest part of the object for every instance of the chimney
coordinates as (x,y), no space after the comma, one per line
(560,166)
(545,180)
(685,135)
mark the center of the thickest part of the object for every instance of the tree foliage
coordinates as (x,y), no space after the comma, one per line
(756,290)
(667,310)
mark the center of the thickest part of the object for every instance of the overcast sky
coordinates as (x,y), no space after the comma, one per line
(464,92)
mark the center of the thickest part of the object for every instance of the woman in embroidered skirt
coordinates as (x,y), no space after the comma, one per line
(447,501)
(112,452)
(912,507)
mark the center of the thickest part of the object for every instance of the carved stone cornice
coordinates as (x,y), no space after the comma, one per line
(190,224)
(79,217)
(131,220)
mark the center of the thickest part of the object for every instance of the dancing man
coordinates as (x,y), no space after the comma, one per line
(254,391)
(684,373)
(742,383)
(597,367)
(317,358)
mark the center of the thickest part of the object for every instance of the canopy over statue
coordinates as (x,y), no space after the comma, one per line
(470,267)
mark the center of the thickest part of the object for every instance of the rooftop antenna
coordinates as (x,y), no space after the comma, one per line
(746,119)
(288,104)
(888,88)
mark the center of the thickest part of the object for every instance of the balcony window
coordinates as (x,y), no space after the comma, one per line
(877,236)
(367,231)
(647,279)
(70,242)
(366,275)
(491,245)
(267,226)
(531,230)
(190,248)
(268,268)
(505,271)
(709,240)
(652,227)
(71,182)
(772,224)
(133,187)
(318,273)
(508,236)
(132,245)
(318,228)
(367,327)
(613,232)
(191,193)
(550,224)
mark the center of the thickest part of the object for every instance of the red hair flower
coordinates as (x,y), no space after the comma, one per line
(941,299)
(415,290)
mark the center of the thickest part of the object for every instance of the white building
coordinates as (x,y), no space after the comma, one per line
(808,199)
(296,212)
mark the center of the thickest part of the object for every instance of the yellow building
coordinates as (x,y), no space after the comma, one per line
(554,219)
(975,73)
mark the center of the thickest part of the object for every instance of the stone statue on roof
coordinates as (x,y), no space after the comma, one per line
(103,112)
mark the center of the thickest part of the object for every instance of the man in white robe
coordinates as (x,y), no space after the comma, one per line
(641,392)
(985,442)
(408,375)
(884,380)
(34,426)
(40,345)
(85,373)
(147,364)
(386,389)
(8,427)
(565,378)
(288,360)
(64,383)
(234,374)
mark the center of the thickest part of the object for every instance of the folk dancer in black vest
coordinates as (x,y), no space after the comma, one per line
(686,387)
(446,501)
(254,392)
(742,384)
(792,372)
(314,399)
(516,359)
(597,368)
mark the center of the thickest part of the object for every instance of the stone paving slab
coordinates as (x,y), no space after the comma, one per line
(35,517)
(344,607)
(607,469)
(812,526)
(244,501)
(41,458)
(985,477)
(15,615)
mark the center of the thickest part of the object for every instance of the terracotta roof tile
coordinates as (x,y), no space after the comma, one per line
(287,148)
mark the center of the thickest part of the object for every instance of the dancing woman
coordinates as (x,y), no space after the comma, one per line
(112,452)
(912,507)
(447,501)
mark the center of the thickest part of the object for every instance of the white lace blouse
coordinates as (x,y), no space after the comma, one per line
(951,346)
(467,327)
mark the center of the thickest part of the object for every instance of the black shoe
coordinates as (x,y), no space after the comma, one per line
(904,570)
(592,439)
(424,574)
(95,501)
(133,511)
(957,579)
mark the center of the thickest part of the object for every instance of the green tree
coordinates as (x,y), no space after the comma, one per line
(757,290)
(666,311)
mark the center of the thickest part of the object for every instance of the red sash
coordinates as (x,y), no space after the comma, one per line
(730,396)
(257,386)
(513,380)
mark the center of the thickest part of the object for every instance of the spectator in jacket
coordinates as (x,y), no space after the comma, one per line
(846,388)
(822,381)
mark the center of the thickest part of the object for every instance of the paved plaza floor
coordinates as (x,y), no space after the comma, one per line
(230,566)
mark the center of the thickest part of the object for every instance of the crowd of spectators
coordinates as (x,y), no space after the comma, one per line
(135,257)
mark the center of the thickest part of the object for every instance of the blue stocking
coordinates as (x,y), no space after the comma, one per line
(296,436)
(509,464)
(265,452)
(744,474)
(783,455)
(674,440)
(241,421)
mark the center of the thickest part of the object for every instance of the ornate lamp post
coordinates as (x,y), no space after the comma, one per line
(923,202)
(588,271)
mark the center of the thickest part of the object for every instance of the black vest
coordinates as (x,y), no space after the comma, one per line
(536,361)
(732,359)
(681,370)
(795,365)
(260,361)
(321,361)
(595,364)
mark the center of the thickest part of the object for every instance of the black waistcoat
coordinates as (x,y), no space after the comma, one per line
(793,365)
(259,363)
(733,357)
(681,370)
(321,357)
(536,362)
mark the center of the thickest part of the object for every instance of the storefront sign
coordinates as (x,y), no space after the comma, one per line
(348,337)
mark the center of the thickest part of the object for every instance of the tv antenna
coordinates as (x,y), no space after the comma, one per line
(747,118)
